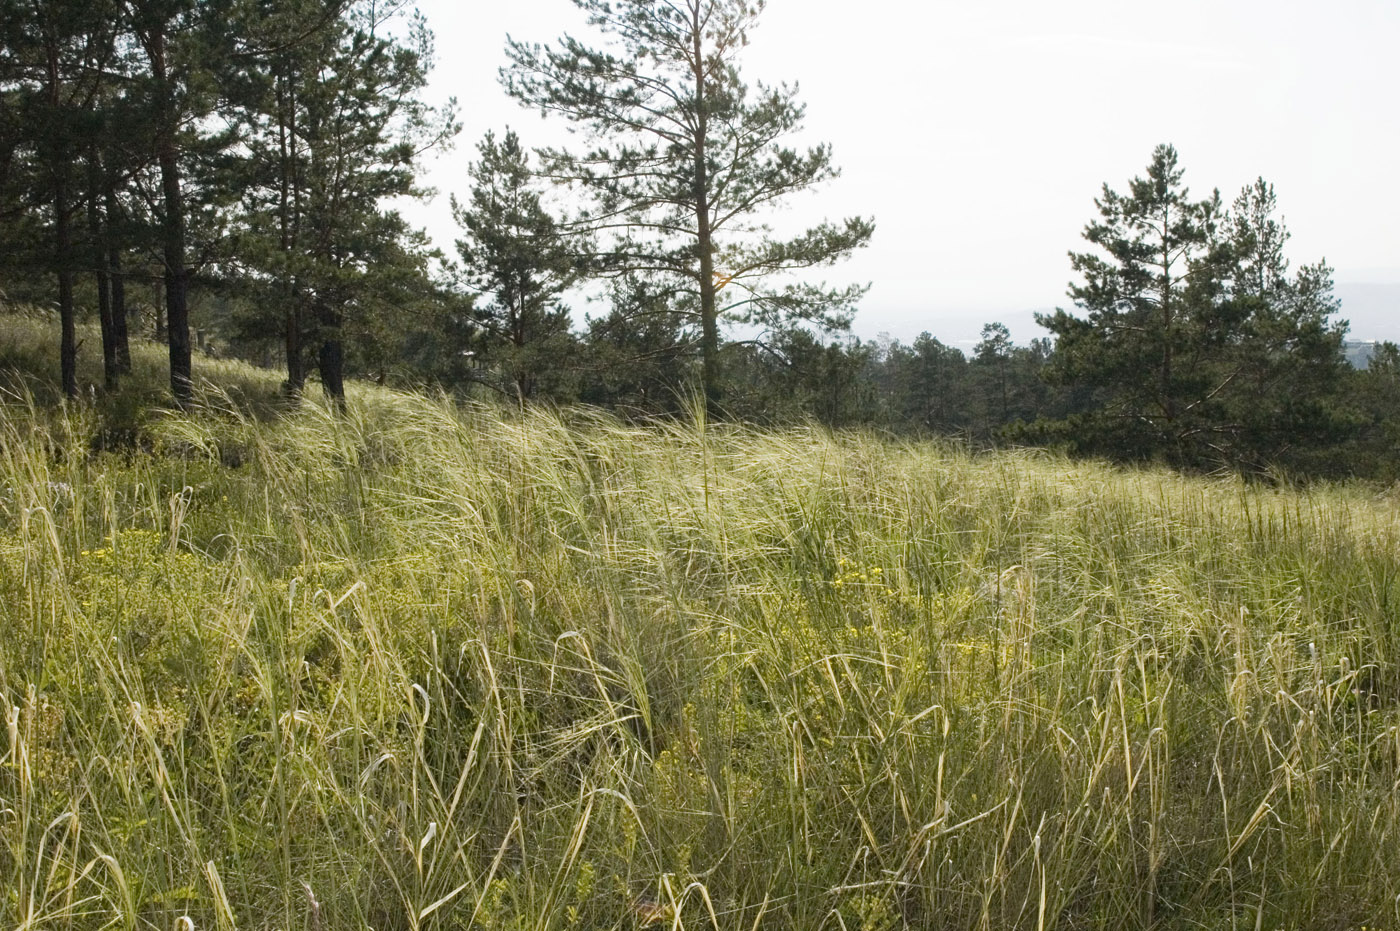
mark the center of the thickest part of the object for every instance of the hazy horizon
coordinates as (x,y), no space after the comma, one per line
(1371,307)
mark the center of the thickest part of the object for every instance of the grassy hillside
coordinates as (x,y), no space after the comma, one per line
(422,666)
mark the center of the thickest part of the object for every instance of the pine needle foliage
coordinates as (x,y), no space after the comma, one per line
(684,164)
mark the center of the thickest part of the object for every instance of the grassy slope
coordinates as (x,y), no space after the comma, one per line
(430,667)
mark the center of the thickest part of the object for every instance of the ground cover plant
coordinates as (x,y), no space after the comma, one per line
(424,665)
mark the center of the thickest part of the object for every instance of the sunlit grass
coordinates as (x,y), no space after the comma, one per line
(426,666)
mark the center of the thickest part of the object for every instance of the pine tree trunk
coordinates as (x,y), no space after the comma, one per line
(1168,401)
(110,367)
(332,360)
(177,319)
(709,322)
(68,340)
(296,370)
(63,234)
(709,316)
(296,374)
(121,338)
(158,304)
(97,250)
(173,233)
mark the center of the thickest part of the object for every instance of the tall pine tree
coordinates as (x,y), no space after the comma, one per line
(683,160)
(172,36)
(1279,345)
(515,252)
(55,58)
(1193,340)
(337,127)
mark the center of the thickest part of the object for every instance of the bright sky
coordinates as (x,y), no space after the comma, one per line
(978,133)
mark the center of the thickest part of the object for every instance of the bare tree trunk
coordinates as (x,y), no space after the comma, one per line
(177,320)
(121,338)
(63,243)
(97,236)
(63,234)
(332,359)
(709,316)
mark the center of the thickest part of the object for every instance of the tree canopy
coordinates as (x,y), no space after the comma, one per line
(515,252)
(682,159)
(1196,342)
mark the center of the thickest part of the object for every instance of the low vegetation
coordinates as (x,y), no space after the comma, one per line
(419,665)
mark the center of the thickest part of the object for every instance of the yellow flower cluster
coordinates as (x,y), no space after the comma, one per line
(853,574)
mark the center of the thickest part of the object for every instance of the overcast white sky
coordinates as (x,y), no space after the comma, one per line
(978,133)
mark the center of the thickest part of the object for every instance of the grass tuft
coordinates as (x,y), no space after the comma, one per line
(432,666)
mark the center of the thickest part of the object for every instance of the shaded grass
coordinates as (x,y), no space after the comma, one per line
(424,665)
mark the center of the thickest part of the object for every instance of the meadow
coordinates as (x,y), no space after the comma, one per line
(429,665)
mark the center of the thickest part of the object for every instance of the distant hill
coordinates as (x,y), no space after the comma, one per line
(1359,352)
(1372,308)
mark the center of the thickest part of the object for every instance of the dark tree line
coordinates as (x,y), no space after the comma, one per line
(244,147)
(233,165)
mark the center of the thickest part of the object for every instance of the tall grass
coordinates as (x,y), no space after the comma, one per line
(426,666)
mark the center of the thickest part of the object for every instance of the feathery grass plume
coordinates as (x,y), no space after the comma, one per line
(429,666)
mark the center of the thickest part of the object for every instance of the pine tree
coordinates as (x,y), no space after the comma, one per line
(110,161)
(170,34)
(992,356)
(337,128)
(295,38)
(515,251)
(931,385)
(1199,348)
(1284,351)
(640,356)
(1141,298)
(55,57)
(684,159)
